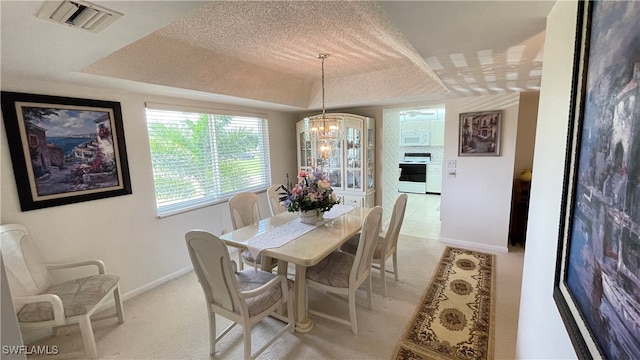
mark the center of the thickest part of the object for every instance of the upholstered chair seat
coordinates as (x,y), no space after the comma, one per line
(247,258)
(78,296)
(334,270)
(250,279)
(351,245)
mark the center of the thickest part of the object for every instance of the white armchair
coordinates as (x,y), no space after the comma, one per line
(244,297)
(244,211)
(387,245)
(342,273)
(275,207)
(40,303)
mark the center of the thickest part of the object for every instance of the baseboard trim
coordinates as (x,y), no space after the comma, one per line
(31,335)
(474,245)
(155,283)
(110,303)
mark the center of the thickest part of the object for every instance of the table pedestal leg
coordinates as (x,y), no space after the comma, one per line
(282,270)
(303,323)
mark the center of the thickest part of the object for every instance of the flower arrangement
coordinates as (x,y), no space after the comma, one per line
(312,192)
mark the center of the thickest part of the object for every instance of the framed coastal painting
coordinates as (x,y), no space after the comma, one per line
(65,150)
(597,285)
(479,133)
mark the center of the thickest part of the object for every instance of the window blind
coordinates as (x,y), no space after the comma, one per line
(200,158)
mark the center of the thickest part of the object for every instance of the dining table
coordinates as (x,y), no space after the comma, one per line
(304,250)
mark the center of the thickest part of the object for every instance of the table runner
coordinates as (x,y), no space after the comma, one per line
(293,229)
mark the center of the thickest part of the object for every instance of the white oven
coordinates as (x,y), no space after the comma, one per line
(413,173)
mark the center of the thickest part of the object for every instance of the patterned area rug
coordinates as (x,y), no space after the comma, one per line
(455,317)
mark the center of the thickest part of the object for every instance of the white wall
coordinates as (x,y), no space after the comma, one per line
(541,333)
(123,231)
(527,122)
(476,203)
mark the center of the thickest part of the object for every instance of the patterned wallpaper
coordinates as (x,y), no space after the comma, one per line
(390,155)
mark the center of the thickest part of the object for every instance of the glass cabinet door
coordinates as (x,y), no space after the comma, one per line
(328,157)
(370,153)
(353,154)
(305,151)
(332,165)
(349,163)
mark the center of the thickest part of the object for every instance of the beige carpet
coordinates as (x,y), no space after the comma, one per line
(170,322)
(455,318)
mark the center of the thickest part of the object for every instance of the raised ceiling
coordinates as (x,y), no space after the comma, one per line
(264,52)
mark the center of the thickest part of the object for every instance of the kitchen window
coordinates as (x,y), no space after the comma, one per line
(201,157)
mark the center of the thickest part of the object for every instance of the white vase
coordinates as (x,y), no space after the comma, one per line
(310,216)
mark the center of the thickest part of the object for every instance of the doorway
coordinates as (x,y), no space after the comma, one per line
(422,218)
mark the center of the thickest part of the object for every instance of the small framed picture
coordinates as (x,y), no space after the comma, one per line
(479,133)
(65,150)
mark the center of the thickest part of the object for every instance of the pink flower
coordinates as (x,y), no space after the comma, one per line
(313,191)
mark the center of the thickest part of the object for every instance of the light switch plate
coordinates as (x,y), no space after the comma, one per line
(451,173)
(451,164)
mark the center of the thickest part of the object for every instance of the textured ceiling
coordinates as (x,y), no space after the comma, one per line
(477,47)
(264,52)
(267,51)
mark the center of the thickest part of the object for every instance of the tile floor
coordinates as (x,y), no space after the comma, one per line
(422,216)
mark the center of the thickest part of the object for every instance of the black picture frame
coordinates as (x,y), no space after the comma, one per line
(597,282)
(479,133)
(65,150)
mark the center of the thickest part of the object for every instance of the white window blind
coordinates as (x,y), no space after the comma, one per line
(200,158)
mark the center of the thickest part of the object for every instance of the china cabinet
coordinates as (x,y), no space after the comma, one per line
(350,163)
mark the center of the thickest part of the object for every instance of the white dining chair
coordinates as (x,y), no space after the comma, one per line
(41,303)
(387,245)
(244,297)
(244,211)
(343,273)
(273,195)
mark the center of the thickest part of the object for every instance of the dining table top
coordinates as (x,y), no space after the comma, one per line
(307,249)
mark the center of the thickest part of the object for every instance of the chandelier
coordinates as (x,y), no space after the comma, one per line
(324,131)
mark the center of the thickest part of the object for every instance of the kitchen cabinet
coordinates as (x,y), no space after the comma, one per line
(434,178)
(350,165)
(414,133)
(422,128)
(436,133)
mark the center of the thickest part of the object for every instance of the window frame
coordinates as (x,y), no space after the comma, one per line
(218,196)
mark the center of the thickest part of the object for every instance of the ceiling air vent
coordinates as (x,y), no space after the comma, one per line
(78,14)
